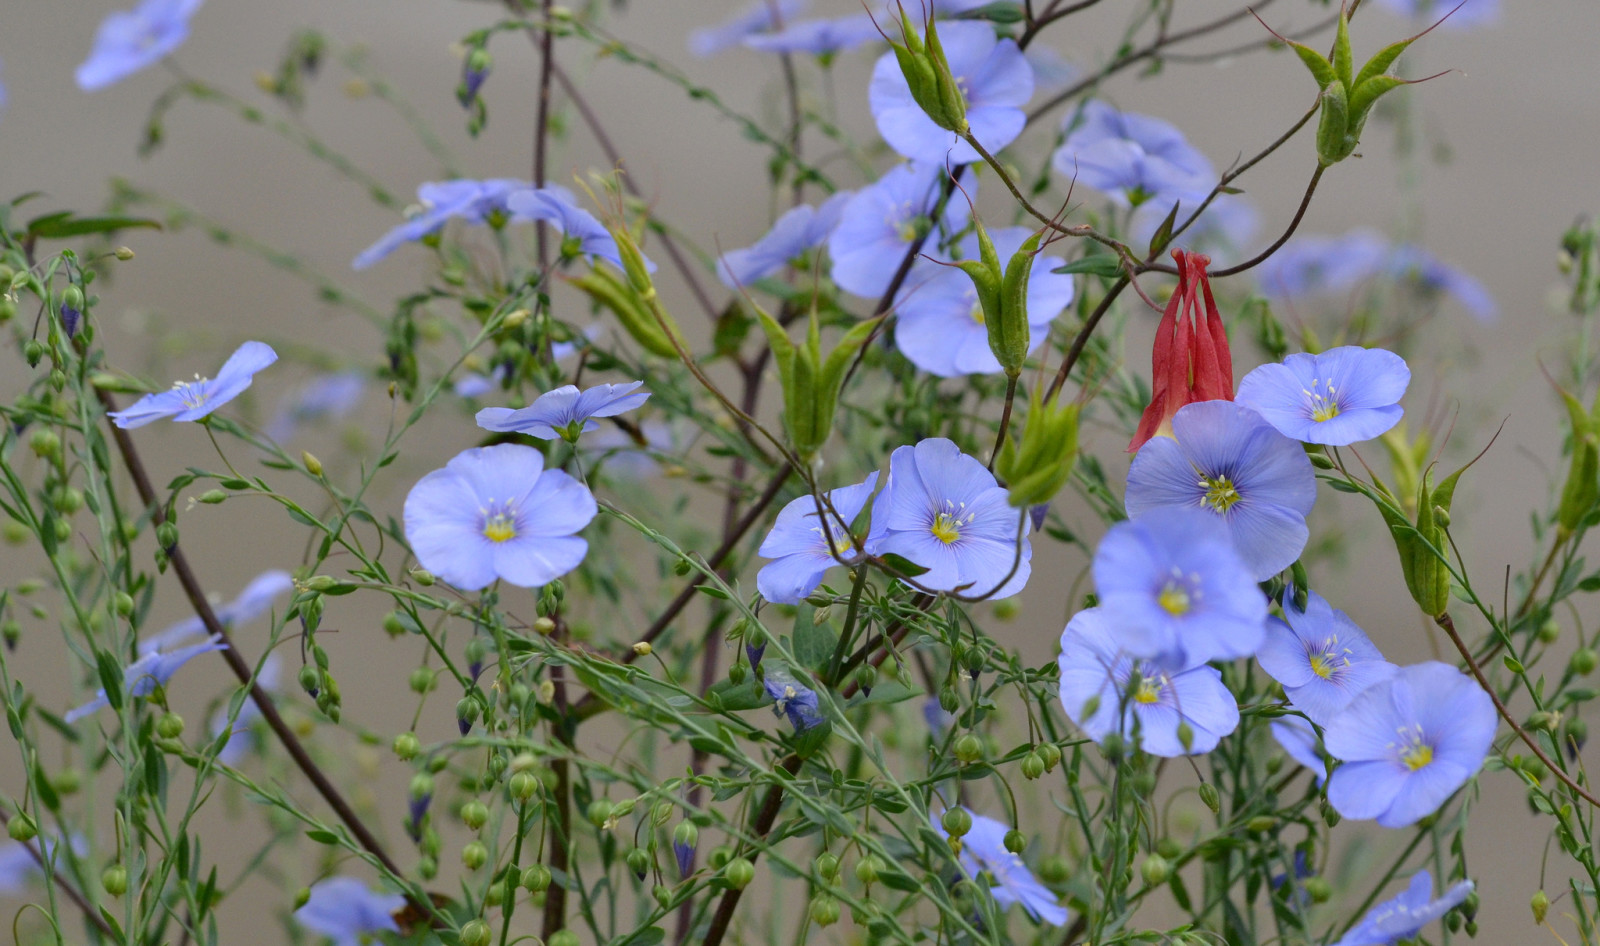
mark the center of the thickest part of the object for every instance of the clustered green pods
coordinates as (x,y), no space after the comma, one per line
(1422,545)
(810,382)
(928,74)
(1036,468)
(1003,297)
(1347,96)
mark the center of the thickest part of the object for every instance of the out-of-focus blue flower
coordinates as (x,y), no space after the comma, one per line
(18,865)
(1322,658)
(1227,460)
(192,400)
(1408,743)
(2,95)
(627,458)
(565,412)
(240,739)
(937,717)
(583,233)
(1051,71)
(1227,226)
(1473,13)
(473,75)
(819,37)
(755,17)
(1129,157)
(327,396)
(254,601)
(799,547)
(1174,591)
(790,698)
(983,848)
(881,222)
(1404,916)
(943,511)
(129,40)
(477,385)
(346,911)
(1341,396)
(993,75)
(1097,673)
(440,202)
(800,229)
(497,513)
(940,325)
(1299,739)
(153,669)
(1310,265)
(1416,266)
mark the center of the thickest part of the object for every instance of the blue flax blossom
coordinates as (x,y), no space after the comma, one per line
(628,458)
(755,17)
(1408,743)
(240,739)
(882,222)
(800,229)
(438,203)
(1312,265)
(347,912)
(824,37)
(983,848)
(1128,157)
(994,77)
(1299,739)
(497,513)
(1465,16)
(255,600)
(192,400)
(151,670)
(565,412)
(582,232)
(325,397)
(1341,396)
(1229,462)
(1412,265)
(18,865)
(790,698)
(800,547)
(1174,591)
(940,325)
(1322,658)
(130,40)
(1098,693)
(943,511)
(1404,916)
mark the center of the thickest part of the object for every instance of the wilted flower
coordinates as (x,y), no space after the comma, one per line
(882,221)
(943,511)
(192,400)
(800,229)
(1098,694)
(995,80)
(151,670)
(1338,397)
(755,17)
(1404,916)
(129,40)
(1174,591)
(1408,743)
(800,548)
(564,412)
(1322,658)
(347,912)
(1230,463)
(790,699)
(496,513)
(983,848)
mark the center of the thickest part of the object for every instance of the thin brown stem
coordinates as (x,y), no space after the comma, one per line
(1082,339)
(1005,422)
(541,129)
(78,899)
(1051,15)
(1299,214)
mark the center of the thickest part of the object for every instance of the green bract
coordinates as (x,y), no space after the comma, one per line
(1003,296)
(1036,468)
(927,73)
(811,382)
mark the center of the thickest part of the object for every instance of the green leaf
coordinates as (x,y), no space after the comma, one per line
(649,936)
(323,837)
(902,566)
(1098,264)
(62,226)
(1163,234)
(813,643)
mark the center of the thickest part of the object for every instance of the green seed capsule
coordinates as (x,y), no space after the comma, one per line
(114,880)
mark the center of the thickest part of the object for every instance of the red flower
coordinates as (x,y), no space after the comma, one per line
(1191,361)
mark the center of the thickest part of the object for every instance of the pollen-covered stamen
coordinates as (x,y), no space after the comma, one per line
(499,521)
(1328,659)
(1179,594)
(1324,403)
(1412,750)
(977,313)
(193,393)
(908,224)
(1149,690)
(1220,493)
(946,525)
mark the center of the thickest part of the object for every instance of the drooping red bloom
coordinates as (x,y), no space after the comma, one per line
(1191,361)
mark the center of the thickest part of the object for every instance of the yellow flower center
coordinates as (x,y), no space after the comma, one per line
(1220,493)
(977,313)
(1149,690)
(1414,753)
(192,393)
(1174,599)
(1324,404)
(946,528)
(500,526)
(1322,666)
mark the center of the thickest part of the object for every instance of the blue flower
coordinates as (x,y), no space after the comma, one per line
(440,202)
(1226,227)
(1322,658)
(1412,264)
(1228,461)
(240,739)
(152,669)
(324,397)
(1341,396)
(345,910)
(983,848)
(564,412)
(630,459)
(943,511)
(799,548)
(192,400)
(1474,13)
(583,232)
(818,37)
(1408,743)
(1404,916)
(254,601)
(1129,157)
(1097,691)
(790,699)
(1051,70)
(993,74)
(939,323)
(18,865)
(1299,739)
(129,40)
(755,17)
(495,512)
(881,222)
(800,229)
(1173,590)
(1316,264)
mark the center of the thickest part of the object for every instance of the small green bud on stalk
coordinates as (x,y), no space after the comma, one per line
(969,748)
(1032,766)
(1540,905)
(824,910)
(44,443)
(1261,824)
(167,536)
(598,811)
(21,828)
(114,880)
(1155,870)
(739,873)
(536,878)
(1584,660)
(928,76)
(686,834)
(311,680)
(422,577)
(522,786)
(1015,841)
(169,726)
(406,746)
(124,604)
(662,894)
(474,855)
(421,680)
(827,866)
(957,822)
(476,933)
(474,814)
(869,868)
(393,624)
(639,862)
(421,786)
(661,814)
(1318,889)
(949,698)
(1209,796)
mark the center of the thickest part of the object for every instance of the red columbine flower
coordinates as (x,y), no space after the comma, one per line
(1191,361)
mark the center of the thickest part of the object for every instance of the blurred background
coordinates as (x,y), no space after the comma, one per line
(1495,164)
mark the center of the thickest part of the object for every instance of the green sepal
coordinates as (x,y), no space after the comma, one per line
(953,105)
(1343,61)
(611,293)
(1368,92)
(1382,60)
(1582,488)
(1334,142)
(1015,333)
(1036,465)
(831,378)
(1321,68)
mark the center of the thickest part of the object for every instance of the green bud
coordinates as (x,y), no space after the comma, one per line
(167,536)
(739,873)
(213,497)
(1051,754)
(1426,575)
(957,822)
(67,781)
(1010,337)
(311,679)
(32,352)
(522,786)
(1318,889)
(1261,824)
(661,813)
(811,382)
(1330,815)
(662,894)
(562,938)
(44,443)
(1032,766)
(867,678)
(1155,870)
(737,673)
(1185,734)
(15,533)
(1037,465)
(1054,869)
(68,500)
(686,834)
(1015,841)
(422,680)
(421,786)
(393,625)
(474,814)
(1583,661)
(21,828)
(536,878)
(422,577)
(969,748)
(428,867)
(406,746)
(475,933)
(638,861)
(114,880)
(1209,796)
(598,811)
(169,726)
(124,604)
(827,866)
(927,72)
(474,855)
(949,698)
(824,910)
(869,868)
